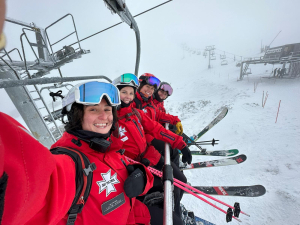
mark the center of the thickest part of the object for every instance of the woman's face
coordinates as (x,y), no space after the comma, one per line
(162,94)
(97,118)
(147,90)
(127,94)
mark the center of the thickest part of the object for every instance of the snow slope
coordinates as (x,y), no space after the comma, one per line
(271,148)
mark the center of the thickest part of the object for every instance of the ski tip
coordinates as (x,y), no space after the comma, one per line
(241,158)
(261,189)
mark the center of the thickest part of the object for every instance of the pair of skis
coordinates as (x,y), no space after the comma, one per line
(221,115)
(192,140)
(230,152)
(215,163)
(241,191)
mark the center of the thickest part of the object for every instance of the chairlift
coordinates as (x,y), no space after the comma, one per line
(213,57)
(222,56)
(204,53)
(224,62)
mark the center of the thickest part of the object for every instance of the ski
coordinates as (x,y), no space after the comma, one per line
(200,221)
(221,115)
(189,218)
(230,152)
(214,163)
(242,191)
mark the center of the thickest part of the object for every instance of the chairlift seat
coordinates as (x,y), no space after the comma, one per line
(224,62)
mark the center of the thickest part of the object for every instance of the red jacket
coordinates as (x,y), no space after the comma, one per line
(132,132)
(159,105)
(152,111)
(41,186)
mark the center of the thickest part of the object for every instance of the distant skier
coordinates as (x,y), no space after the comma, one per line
(275,70)
(278,72)
(282,72)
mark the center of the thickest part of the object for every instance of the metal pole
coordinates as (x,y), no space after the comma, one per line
(209,59)
(241,71)
(168,185)
(26,107)
(138,51)
(8,83)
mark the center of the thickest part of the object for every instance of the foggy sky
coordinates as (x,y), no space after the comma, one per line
(231,25)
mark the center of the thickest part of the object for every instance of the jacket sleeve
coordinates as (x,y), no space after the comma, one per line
(163,117)
(40,187)
(159,132)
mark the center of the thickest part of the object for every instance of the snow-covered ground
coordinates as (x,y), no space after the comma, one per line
(271,148)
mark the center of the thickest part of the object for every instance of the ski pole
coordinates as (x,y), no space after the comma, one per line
(190,141)
(159,173)
(213,140)
(204,144)
(196,190)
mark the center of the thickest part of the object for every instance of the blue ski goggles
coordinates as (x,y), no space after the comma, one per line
(127,78)
(91,93)
(154,81)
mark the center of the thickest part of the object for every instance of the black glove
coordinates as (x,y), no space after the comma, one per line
(154,199)
(158,145)
(146,162)
(172,128)
(160,164)
(186,155)
(135,183)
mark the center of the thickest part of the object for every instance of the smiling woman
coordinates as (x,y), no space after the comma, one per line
(55,182)
(98,118)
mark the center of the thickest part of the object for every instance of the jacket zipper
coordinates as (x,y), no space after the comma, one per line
(137,127)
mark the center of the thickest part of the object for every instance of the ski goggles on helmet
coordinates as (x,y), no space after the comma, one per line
(91,93)
(166,87)
(154,81)
(127,78)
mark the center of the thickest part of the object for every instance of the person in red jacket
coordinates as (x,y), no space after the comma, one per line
(134,124)
(163,92)
(40,187)
(144,100)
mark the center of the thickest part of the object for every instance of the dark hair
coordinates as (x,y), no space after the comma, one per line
(75,117)
(120,87)
(141,85)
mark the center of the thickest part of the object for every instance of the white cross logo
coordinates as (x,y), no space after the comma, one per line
(108,183)
(122,131)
